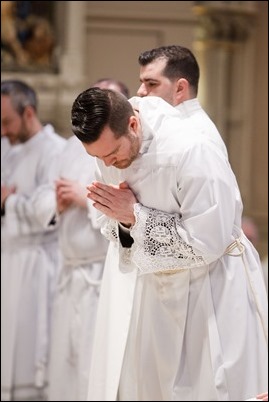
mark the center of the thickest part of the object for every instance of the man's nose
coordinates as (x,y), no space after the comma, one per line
(109,160)
(142,91)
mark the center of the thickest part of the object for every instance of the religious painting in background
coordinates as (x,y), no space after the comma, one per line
(28,40)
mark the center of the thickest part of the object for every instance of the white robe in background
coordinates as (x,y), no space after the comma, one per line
(29,260)
(181,316)
(83,251)
(5,147)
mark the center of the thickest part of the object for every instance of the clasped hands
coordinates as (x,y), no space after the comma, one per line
(68,193)
(6,191)
(116,202)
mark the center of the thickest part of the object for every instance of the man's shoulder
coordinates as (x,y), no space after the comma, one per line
(149,104)
(53,136)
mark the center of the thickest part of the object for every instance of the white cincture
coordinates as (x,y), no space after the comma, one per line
(241,248)
(236,244)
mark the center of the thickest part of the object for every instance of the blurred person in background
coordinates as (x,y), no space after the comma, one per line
(115,85)
(251,230)
(29,253)
(83,250)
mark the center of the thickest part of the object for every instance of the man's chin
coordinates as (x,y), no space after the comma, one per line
(122,165)
(12,141)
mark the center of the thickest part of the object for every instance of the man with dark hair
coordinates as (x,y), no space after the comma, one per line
(182,300)
(172,73)
(174,63)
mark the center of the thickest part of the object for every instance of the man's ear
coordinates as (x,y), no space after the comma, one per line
(29,112)
(182,90)
(182,85)
(133,122)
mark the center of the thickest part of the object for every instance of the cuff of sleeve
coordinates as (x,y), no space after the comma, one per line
(124,228)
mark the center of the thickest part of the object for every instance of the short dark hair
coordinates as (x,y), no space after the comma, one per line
(96,108)
(21,95)
(181,63)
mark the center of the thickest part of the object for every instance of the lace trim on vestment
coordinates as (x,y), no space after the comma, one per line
(158,246)
(110,230)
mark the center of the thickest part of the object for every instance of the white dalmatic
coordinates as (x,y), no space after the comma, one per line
(29,257)
(183,311)
(83,249)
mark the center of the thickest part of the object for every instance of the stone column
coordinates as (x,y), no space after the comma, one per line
(72,67)
(223,28)
(72,59)
(224,49)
